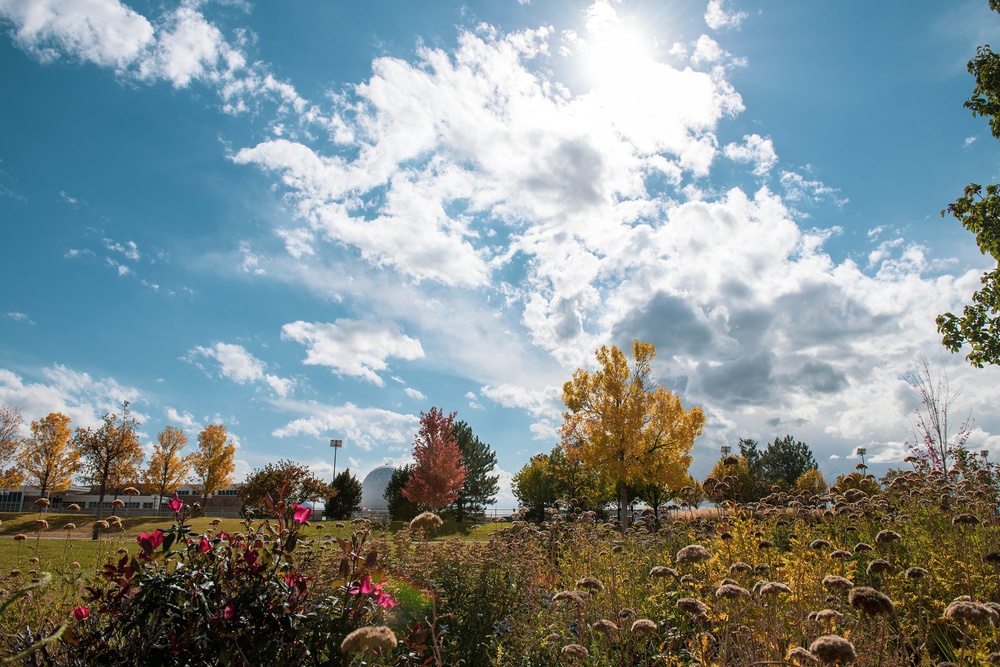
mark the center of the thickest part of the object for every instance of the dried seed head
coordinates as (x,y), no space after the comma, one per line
(834,581)
(828,615)
(915,573)
(740,567)
(862,547)
(880,566)
(965,520)
(575,652)
(569,596)
(774,588)
(426,521)
(664,571)
(605,626)
(887,537)
(819,544)
(840,554)
(832,649)
(369,638)
(970,612)
(693,553)
(69,526)
(42,502)
(626,614)
(870,601)
(993,558)
(643,626)
(41,524)
(801,656)
(118,503)
(692,606)
(731,592)
(591,584)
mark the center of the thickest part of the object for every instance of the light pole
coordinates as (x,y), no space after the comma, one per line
(861,451)
(985,453)
(336,444)
(725,449)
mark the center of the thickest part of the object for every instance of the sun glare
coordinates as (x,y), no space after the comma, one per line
(615,51)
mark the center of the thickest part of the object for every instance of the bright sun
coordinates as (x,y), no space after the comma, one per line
(615,51)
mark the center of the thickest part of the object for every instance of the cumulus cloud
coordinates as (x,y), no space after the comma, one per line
(353,347)
(366,428)
(240,366)
(717,18)
(755,150)
(60,388)
(414,394)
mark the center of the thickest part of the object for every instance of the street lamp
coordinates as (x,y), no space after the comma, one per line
(861,451)
(336,444)
(725,449)
(985,453)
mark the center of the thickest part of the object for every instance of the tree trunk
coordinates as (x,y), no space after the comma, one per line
(623,505)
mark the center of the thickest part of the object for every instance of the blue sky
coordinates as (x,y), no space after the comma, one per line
(313,220)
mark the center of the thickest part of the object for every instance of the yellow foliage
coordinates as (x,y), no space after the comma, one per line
(167,468)
(631,433)
(47,458)
(213,463)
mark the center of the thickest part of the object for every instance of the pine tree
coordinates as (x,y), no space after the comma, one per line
(480,487)
(438,474)
(400,509)
(347,496)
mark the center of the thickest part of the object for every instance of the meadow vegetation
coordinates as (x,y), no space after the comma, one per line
(899,571)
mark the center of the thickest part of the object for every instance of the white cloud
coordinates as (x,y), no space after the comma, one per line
(238,365)
(716,16)
(76,394)
(546,403)
(353,347)
(366,428)
(799,189)
(414,394)
(756,150)
(969,141)
(19,317)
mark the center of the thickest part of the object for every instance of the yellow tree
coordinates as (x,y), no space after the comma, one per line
(48,458)
(213,462)
(111,454)
(628,431)
(10,445)
(167,468)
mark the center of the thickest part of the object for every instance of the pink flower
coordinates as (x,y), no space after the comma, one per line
(150,541)
(229,611)
(81,613)
(175,504)
(204,545)
(385,600)
(366,587)
(302,514)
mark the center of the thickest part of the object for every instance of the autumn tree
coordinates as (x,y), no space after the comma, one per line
(978,209)
(400,508)
(10,445)
(346,498)
(812,483)
(297,480)
(438,474)
(111,454)
(168,468)
(629,431)
(214,461)
(48,458)
(480,487)
(547,478)
(731,479)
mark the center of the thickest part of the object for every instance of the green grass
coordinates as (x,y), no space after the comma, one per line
(57,548)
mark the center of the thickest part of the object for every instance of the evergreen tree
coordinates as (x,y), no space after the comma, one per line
(347,498)
(480,487)
(400,509)
(785,460)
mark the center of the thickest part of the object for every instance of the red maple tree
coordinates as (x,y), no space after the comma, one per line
(438,474)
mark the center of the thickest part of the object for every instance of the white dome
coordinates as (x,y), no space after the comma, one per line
(373,489)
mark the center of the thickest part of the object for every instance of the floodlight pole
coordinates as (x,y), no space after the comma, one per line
(861,451)
(725,449)
(336,444)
